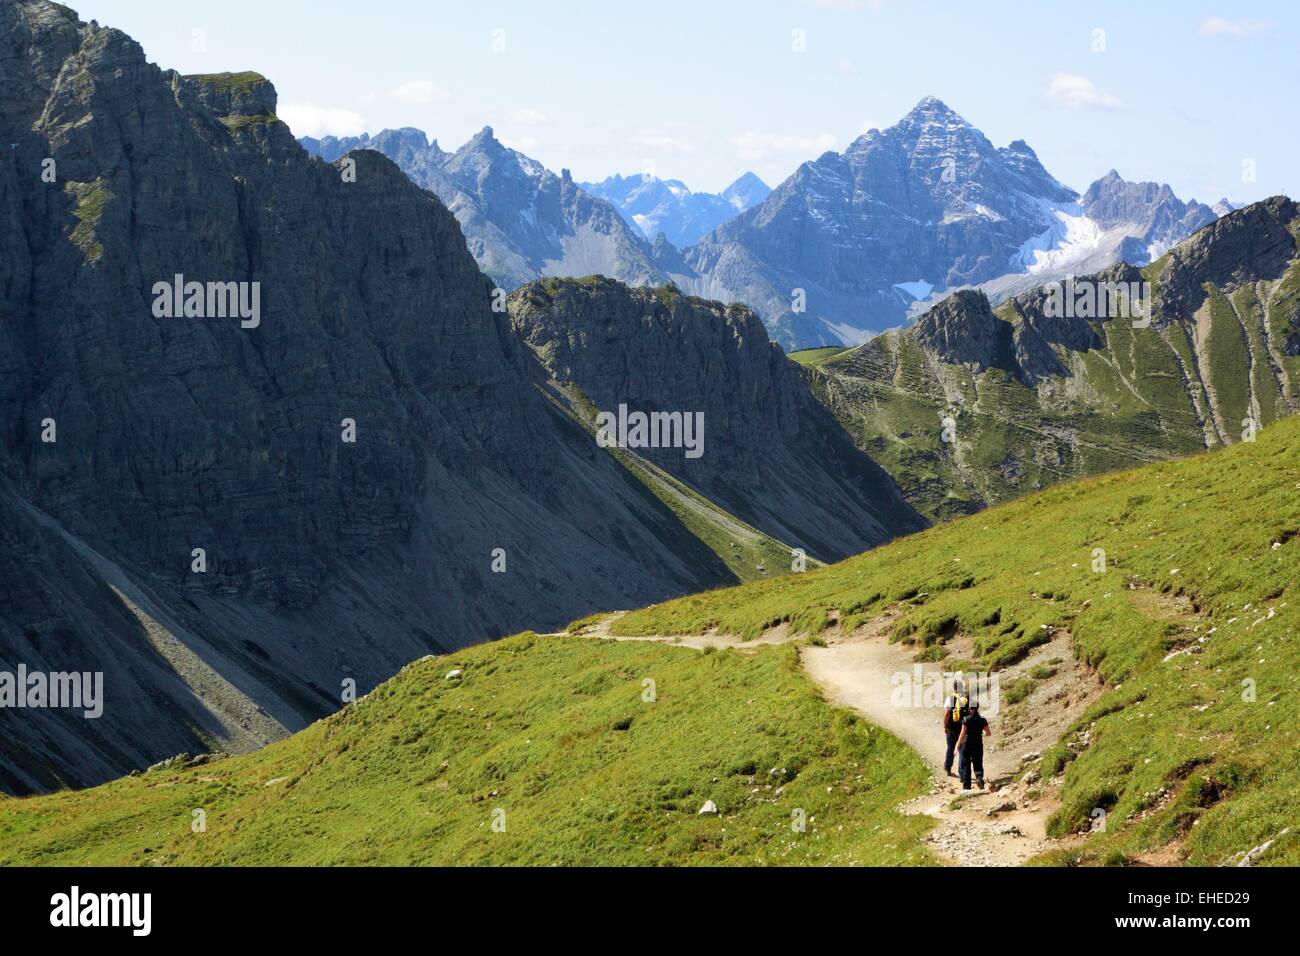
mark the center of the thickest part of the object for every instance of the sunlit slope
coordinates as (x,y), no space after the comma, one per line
(1177,581)
(1068,397)
(553,739)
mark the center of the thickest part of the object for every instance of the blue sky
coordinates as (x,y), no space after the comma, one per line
(1198,95)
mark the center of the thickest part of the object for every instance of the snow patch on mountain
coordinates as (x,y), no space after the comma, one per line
(919,289)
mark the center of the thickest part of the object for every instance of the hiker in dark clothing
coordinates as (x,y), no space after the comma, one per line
(954,712)
(970,746)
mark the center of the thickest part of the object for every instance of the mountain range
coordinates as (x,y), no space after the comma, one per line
(520,220)
(235,522)
(1031,394)
(667,206)
(849,245)
(245,521)
(845,247)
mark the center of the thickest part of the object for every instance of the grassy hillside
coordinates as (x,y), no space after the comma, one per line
(554,732)
(1191,620)
(1185,383)
(818,356)
(1193,749)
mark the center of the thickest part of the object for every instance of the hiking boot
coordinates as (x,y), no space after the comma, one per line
(980,783)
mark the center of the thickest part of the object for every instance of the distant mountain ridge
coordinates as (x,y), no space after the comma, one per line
(667,206)
(849,245)
(1114,221)
(520,220)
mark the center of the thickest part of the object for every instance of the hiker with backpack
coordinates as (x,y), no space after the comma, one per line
(970,746)
(955,710)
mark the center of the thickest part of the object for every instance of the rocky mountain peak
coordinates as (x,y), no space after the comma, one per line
(484,141)
(520,220)
(962,330)
(748,190)
(653,205)
(1113,200)
(655,348)
(1247,245)
(234,94)
(408,137)
(931,109)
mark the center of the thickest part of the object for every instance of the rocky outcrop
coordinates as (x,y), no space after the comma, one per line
(1254,243)
(772,455)
(962,330)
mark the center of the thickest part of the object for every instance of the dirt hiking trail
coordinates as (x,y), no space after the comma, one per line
(1004,825)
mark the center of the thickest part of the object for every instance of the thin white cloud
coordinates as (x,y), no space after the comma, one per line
(1219,27)
(523,144)
(529,116)
(308,119)
(754,145)
(1076,92)
(657,140)
(418,93)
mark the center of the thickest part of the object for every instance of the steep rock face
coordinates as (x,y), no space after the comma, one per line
(1212,354)
(962,330)
(772,455)
(520,220)
(1156,218)
(128,440)
(1249,245)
